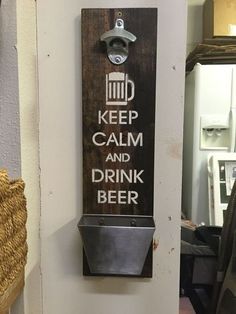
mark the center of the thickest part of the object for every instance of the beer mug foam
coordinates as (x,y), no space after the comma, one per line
(117,89)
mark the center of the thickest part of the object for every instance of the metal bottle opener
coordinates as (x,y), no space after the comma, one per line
(117,41)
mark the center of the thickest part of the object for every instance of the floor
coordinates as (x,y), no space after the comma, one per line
(185,306)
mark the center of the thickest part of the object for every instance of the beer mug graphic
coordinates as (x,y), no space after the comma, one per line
(118,86)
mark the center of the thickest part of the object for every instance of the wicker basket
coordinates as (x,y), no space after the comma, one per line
(13,246)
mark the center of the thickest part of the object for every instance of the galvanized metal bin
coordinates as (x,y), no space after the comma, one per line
(116,245)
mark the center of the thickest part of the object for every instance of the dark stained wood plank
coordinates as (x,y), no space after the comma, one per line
(141,69)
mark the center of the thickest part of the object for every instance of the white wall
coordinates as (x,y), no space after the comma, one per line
(65,290)
(195,23)
(9,100)
(28,95)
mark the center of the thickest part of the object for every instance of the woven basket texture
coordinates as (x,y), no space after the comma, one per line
(13,246)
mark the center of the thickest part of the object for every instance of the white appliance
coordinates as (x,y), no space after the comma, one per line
(221,177)
(209,127)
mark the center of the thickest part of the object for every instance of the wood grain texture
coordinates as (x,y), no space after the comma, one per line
(141,69)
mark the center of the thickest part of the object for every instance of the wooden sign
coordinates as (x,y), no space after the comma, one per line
(119,116)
